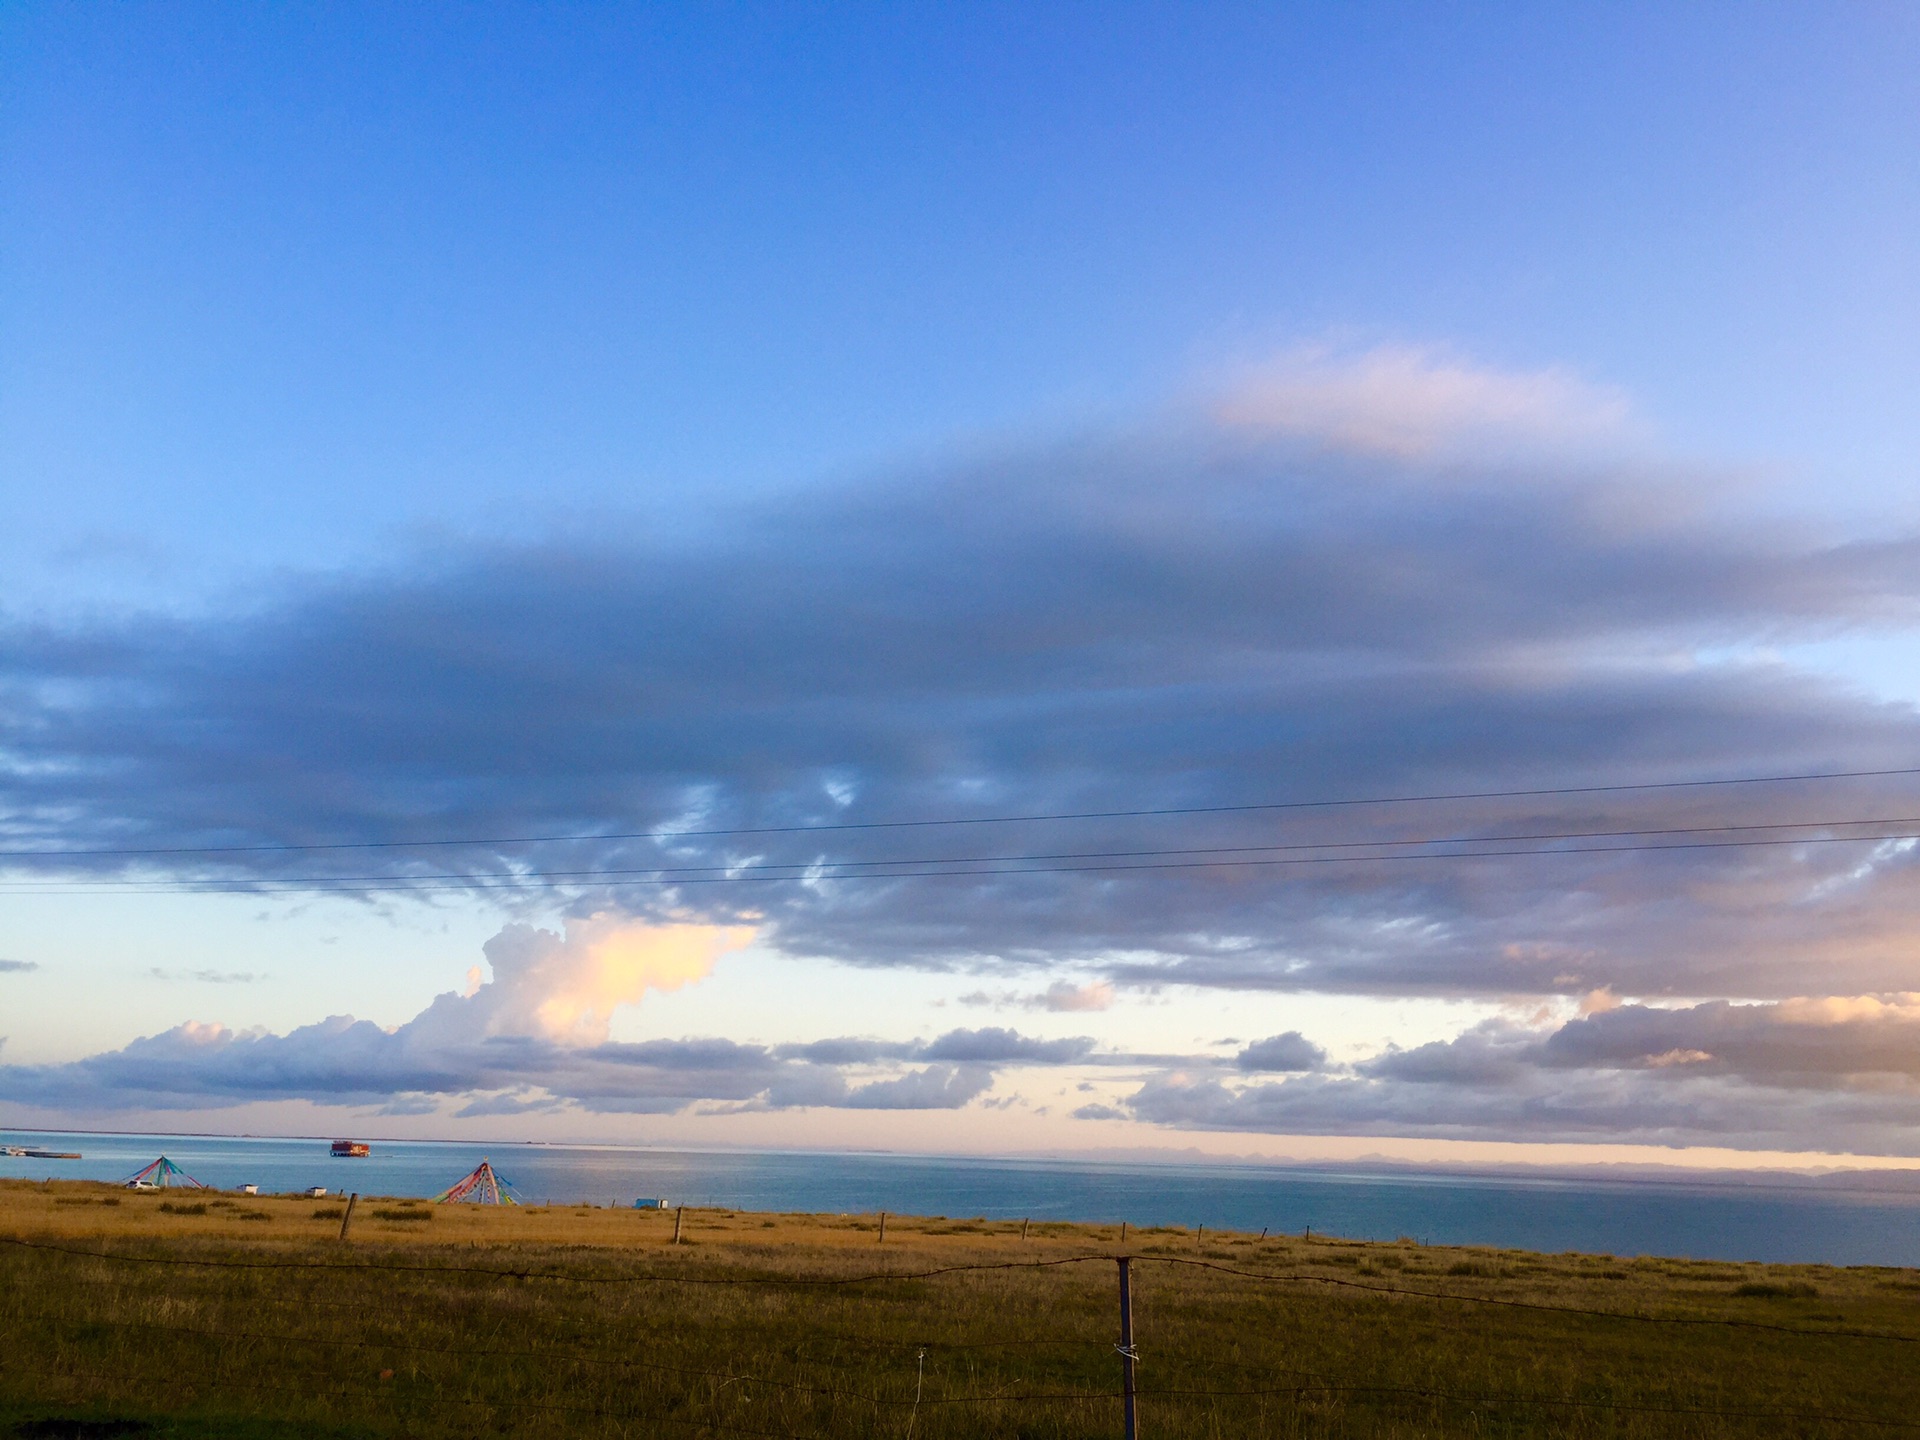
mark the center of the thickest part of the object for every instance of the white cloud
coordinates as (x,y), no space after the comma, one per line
(566,988)
(1414,402)
(1064,996)
(207,977)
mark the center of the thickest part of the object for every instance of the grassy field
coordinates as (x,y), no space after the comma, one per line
(188,1313)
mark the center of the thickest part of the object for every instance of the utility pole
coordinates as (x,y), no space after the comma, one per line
(1127,1355)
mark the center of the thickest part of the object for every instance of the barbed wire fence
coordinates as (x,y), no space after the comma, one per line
(1130,1402)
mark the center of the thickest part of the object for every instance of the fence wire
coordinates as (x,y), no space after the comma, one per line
(1293,1386)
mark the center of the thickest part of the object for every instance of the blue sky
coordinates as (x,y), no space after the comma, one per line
(555,420)
(281,286)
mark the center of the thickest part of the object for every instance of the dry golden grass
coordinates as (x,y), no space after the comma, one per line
(457,1325)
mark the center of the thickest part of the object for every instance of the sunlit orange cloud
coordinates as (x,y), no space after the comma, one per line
(1846,1009)
(608,961)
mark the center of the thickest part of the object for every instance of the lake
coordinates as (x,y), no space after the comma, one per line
(1702,1219)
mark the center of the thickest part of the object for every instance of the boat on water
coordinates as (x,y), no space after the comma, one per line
(351,1149)
(20,1152)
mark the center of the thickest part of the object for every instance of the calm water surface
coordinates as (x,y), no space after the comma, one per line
(1701,1220)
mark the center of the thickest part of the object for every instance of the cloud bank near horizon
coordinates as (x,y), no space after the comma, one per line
(1825,1073)
(1810,1074)
(534,1037)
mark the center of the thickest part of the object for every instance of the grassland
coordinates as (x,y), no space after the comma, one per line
(187,1313)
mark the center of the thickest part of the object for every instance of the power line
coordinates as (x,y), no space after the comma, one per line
(805,866)
(838,826)
(653,877)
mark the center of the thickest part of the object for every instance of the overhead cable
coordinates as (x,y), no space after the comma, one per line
(664,833)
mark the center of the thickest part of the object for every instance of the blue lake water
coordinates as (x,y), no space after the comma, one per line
(1702,1219)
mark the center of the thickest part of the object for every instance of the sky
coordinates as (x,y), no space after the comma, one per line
(1227,580)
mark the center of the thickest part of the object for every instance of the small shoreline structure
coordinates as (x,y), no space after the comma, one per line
(162,1174)
(482,1187)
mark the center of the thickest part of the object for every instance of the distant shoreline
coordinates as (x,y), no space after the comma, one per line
(1891,1181)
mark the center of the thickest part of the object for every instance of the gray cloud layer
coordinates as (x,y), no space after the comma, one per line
(1205,621)
(346,1061)
(1798,1075)
(1289,1052)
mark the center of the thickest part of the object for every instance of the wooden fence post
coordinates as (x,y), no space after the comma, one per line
(678,1211)
(883,1229)
(1127,1352)
(346,1218)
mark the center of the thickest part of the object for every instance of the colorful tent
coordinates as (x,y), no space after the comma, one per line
(159,1175)
(482,1187)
